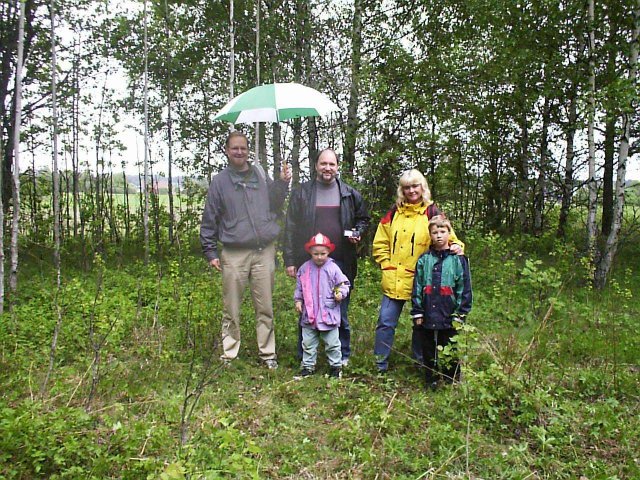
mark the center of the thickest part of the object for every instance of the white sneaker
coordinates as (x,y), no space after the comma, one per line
(271,364)
(345,362)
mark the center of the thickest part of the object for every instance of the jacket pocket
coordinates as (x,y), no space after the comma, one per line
(330,303)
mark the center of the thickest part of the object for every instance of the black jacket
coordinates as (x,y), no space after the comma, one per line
(301,220)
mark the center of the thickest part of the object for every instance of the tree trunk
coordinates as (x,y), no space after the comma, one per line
(609,139)
(603,267)
(307,36)
(264,161)
(494,195)
(607,174)
(567,185)
(34,194)
(258,149)
(351,132)
(56,202)
(169,128)
(146,140)
(523,174)
(591,182)
(126,203)
(18,20)
(1,235)
(155,205)
(277,151)
(98,212)
(15,224)
(543,172)
(232,54)
(295,152)
(113,220)
(75,139)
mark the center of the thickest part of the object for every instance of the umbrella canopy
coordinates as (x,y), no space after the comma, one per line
(276,102)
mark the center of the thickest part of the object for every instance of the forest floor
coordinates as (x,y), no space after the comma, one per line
(550,387)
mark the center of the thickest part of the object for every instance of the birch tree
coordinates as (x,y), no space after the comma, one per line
(146,139)
(603,267)
(56,199)
(15,224)
(169,92)
(591,181)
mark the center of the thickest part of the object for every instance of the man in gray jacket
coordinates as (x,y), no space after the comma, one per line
(242,206)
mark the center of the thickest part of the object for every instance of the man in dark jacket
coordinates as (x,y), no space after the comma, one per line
(327,205)
(242,206)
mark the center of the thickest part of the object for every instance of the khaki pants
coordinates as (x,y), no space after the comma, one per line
(242,266)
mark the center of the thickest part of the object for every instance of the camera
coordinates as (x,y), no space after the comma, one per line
(351,233)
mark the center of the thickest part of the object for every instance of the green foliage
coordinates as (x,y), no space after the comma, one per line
(550,378)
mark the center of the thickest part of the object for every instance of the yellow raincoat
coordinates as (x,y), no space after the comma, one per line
(402,236)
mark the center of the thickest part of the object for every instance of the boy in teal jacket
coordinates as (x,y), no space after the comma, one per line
(441,296)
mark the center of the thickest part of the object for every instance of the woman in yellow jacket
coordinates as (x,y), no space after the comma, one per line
(402,236)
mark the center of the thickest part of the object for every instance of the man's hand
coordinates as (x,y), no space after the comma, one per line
(355,240)
(299,306)
(285,173)
(418,320)
(215,263)
(291,271)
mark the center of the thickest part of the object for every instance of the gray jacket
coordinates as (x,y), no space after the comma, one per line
(241,210)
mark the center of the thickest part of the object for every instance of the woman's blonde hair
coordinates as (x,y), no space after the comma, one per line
(412,177)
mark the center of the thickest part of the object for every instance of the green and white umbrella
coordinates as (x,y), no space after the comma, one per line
(276,102)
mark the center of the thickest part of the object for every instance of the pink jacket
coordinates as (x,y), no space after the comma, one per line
(315,288)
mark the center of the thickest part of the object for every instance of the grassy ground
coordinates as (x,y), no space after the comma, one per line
(550,384)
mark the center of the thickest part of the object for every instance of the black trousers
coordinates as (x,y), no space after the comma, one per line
(435,367)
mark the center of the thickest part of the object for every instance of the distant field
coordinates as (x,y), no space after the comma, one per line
(179,201)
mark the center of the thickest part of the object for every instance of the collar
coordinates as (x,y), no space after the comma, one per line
(413,208)
(248,178)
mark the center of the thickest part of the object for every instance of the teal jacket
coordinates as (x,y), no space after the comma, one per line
(441,289)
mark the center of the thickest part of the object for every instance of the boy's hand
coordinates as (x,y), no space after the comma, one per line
(299,306)
(337,296)
(418,320)
(457,322)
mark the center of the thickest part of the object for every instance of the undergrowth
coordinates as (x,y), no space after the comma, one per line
(550,379)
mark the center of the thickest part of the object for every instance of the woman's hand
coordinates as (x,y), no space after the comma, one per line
(456,249)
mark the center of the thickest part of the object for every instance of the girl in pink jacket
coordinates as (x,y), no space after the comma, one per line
(320,287)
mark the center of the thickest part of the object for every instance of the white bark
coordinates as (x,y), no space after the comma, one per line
(232,42)
(146,139)
(591,215)
(611,246)
(169,128)
(13,276)
(1,238)
(56,198)
(257,125)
